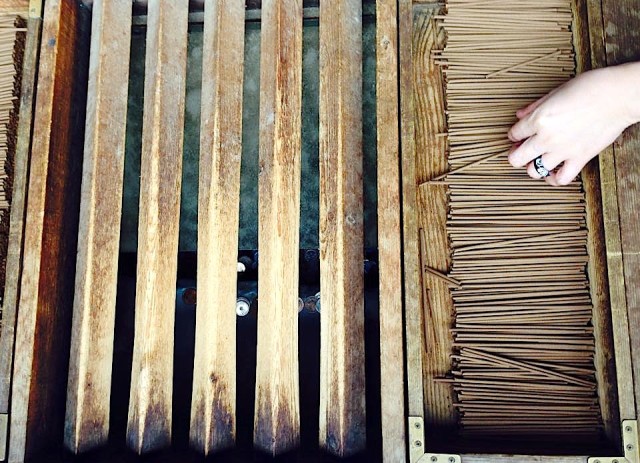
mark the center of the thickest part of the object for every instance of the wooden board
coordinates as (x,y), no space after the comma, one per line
(149,423)
(46,292)
(389,234)
(342,358)
(431,161)
(94,308)
(277,406)
(16,222)
(621,24)
(410,217)
(611,219)
(213,403)
(597,269)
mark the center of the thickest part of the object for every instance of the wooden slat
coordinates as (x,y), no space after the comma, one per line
(598,282)
(610,212)
(342,375)
(622,28)
(16,221)
(277,406)
(411,240)
(94,309)
(213,403)
(50,239)
(389,233)
(431,161)
(474,458)
(149,424)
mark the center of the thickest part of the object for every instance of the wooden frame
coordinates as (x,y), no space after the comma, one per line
(608,269)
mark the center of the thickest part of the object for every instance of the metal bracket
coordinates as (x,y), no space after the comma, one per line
(4,430)
(416,445)
(440,458)
(629,443)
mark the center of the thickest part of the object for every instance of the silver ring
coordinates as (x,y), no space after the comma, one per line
(540,168)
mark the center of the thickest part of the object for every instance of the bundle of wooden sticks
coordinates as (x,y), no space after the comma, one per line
(523,363)
(12,39)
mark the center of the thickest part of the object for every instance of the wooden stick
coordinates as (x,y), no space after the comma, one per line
(94,307)
(213,401)
(342,386)
(149,422)
(277,414)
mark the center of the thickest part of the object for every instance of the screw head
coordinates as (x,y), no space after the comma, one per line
(614,461)
(417,443)
(596,461)
(628,428)
(434,458)
(243,305)
(629,447)
(416,425)
(452,460)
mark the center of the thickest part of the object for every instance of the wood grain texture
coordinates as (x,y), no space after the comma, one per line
(342,358)
(20,7)
(277,406)
(621,24)
(597,269)
(18,208)
(611,219)
(149,423)
(389,233)
(94,309)
(51,231)
(431,161)
(410,233)
(213,403)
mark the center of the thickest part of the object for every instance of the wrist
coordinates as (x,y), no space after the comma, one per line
(628,79)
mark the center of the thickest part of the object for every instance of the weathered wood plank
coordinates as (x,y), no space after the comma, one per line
(410,215)
(50,237)
(277,407)
(342,375)
(92,335)
(431,161)
(597,268)
(149,423)
(476,458)
(16,223)
(213,403)
(621,25)
(389,233)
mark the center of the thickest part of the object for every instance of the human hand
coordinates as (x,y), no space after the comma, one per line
(576,121)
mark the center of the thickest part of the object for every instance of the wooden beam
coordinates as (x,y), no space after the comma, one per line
(596,249)
(612,233)
(50,237)
(149,424)
(411,247)
(389,234)
(342,358)
(94,308)
(277,409)
(622,27)
(213,403)
(16,222)
(431,161)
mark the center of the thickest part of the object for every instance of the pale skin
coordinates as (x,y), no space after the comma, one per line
(576,121)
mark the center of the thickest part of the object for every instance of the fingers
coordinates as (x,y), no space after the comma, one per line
(566,174)
(525,152)
(524,112)
(549,160)
(522,129)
